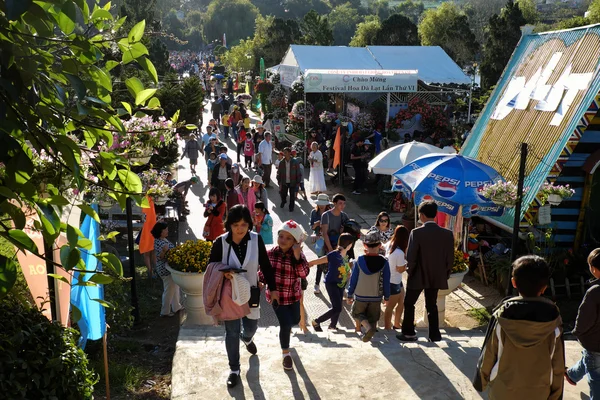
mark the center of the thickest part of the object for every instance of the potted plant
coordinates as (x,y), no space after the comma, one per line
(327,117)
(502,193)
(459,270)
(554,194)
(187,263)
(365,122)
(143,135)
(156,186)
(299,109)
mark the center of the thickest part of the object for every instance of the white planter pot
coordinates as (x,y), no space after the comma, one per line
(160,201)
(554,199)
(454,282)
(140,159)
(105,204)
(192,285)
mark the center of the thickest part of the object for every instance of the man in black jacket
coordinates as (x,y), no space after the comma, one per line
(220,173)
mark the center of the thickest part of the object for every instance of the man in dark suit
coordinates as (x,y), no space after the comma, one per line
(430,256)
(288,177)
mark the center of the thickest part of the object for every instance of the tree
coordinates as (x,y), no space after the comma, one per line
(297,9)
(448,27)
(397,30)
(343,20)
(241,57)
(366,32)
(316,30)
(410,9)
(193,19)
(235,18)
(503,35)
(273,44)
(58,73)
(594,11)
(380,8)
(529,10)
(479,12)
(173,26)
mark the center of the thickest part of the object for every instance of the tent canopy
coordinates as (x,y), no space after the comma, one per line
(431,62)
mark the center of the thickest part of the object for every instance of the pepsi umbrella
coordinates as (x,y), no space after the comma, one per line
(452,181)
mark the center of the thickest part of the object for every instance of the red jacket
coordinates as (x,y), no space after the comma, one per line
(214,223)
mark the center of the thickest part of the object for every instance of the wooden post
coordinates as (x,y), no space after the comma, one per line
(106,378)
(134,297)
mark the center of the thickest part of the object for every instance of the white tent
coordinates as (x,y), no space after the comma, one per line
(431,63)
(394,158)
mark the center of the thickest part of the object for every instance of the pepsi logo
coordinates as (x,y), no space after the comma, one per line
(474,209)
(480,194)
(427,198)
(445,189)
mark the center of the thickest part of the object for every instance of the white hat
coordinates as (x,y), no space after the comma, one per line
(367,142)
(294,229)
(240,288)
(258,179)
(322,200)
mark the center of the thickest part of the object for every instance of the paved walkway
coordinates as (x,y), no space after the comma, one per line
(331,365)
(336,366)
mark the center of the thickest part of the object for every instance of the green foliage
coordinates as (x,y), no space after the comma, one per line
(479,13)
(57,101)
(410,9)
(380,9)
(366,32)
(594,11)
(503,35)
(273,37)
(529,10)
(241,57)
(397,30)
(343,20)
(316,30)
(482,315)
(448,27)
(39,358)
(235,18)
(118,317)
(297,9)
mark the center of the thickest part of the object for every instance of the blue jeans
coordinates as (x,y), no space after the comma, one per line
(589,365)
(235,330)
(234,132)
(336,295)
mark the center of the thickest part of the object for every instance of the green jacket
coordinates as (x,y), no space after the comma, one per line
(523,354)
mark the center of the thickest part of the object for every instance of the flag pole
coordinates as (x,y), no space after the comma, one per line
(106,379)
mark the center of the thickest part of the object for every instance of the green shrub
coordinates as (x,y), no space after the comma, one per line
(39,359)
(118,317)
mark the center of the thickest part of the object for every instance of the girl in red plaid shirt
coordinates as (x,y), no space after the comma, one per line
(289,265)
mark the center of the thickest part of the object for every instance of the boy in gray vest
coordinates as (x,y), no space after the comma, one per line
(369,281)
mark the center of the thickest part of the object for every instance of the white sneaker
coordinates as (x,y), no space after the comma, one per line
(317,289)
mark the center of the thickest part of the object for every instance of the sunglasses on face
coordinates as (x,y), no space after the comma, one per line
(384,220)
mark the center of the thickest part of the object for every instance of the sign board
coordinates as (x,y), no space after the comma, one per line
(544,215)
(288,74)
(360,81)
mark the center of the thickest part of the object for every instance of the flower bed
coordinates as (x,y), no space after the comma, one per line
(433,118)
(461,262)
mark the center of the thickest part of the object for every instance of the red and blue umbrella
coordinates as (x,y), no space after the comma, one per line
(452,181)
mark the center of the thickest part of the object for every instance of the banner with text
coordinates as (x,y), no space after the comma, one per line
(360,81)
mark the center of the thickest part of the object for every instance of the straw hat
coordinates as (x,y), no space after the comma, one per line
(322,200)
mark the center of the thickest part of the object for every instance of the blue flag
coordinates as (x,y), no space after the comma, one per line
(92,324)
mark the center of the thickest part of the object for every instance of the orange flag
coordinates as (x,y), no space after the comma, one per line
(147,240)
(337,148)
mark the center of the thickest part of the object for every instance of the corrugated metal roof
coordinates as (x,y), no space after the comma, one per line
(497,142)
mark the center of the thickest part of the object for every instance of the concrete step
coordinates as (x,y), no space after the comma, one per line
(339,365)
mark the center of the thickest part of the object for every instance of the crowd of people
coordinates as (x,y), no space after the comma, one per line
(523,351)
